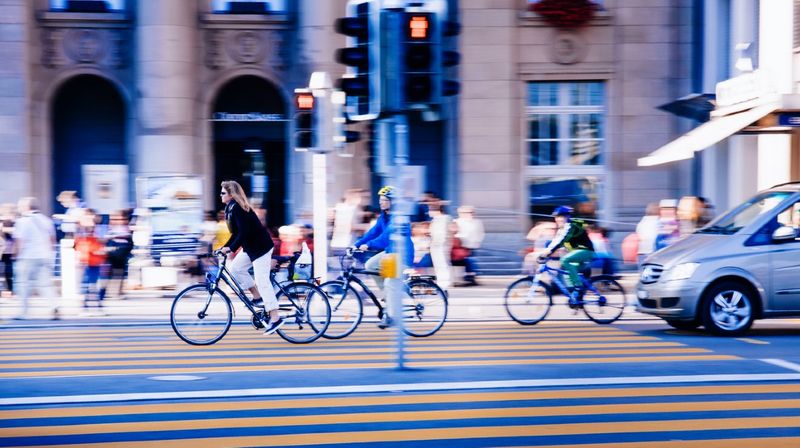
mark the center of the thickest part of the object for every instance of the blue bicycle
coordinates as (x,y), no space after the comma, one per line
(528,300)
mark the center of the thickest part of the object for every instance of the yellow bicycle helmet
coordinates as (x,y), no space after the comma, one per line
(387,191)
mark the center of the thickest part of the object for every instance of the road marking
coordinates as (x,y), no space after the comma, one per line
(784,364)
(407,416)
(475,432)
(753,341)
(257,404)
(408,387)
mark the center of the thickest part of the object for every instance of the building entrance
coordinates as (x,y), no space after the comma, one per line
(88,128)
(249,140)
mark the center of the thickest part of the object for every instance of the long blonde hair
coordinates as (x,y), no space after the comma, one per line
(237,193)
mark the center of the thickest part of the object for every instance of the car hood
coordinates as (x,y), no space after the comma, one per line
(687,248)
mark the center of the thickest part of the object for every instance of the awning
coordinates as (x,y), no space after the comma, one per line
(706,135)
(697,106)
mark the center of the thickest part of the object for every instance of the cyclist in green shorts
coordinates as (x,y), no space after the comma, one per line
(572,236)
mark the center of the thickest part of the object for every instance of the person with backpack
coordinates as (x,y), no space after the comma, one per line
(572,236)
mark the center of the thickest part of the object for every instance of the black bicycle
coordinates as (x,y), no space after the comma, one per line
(528,299)
(202,314)
(424,304)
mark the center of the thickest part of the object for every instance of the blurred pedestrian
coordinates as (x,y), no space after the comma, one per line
(690,210)
(442,231)
(422,211)
(223,234)
(603,257)
(35,236)
(421,239)
(92,255)
(540,236)
(470,234)
(119,247)
(345,216)
(70,219)
(7,218)
(647,229)
(249,235)
(668,228)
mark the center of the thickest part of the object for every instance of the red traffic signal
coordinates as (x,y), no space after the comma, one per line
(304,101)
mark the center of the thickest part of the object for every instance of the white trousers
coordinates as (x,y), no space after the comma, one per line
(261,268)
(440,257)
(36,273)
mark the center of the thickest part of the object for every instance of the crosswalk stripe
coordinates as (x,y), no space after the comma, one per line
(211,352)
(389,400)
(471,432)
(399,416)
(756,442)
(154,360)
(364,365)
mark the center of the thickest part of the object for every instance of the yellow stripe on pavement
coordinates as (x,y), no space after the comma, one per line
(376,365)
(153,360)
(389,400)
(479,432)
(398,416)
(310,350)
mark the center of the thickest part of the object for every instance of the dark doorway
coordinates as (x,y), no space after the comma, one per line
(88,122)
(250,142)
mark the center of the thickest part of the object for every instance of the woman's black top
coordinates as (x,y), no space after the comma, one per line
(247,232)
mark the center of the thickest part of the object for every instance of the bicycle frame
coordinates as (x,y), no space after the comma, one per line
(556,276)
(224,274)
(349,276)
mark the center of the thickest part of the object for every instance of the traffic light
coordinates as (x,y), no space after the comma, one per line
(362,83)
(341,135)
(449,58)
(419,55)
(305,137)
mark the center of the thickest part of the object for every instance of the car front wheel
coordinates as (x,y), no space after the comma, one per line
(728,309)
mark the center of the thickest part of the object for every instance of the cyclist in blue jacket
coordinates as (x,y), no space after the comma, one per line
(379,236)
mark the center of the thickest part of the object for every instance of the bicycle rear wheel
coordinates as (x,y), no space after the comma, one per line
(608,305)
(527,304)
(346,309)
(199,316)
(306,312)
(424,308)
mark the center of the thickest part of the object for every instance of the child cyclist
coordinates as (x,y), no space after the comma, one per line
(571,235)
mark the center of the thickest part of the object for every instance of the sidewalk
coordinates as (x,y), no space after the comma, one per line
(152,306)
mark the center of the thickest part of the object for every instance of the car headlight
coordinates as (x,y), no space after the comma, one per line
(681,271)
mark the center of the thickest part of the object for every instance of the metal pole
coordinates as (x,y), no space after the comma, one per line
(400,220)
(319,187)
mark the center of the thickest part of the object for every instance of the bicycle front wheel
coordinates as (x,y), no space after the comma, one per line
(346,309)
(607,306)
(528,304)
(424,308)
(306,312)
(199,316)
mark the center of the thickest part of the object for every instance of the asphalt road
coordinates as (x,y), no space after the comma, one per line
(481,381)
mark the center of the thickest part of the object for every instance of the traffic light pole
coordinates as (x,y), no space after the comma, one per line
(398,148)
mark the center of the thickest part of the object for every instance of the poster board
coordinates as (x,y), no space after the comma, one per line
(105,187)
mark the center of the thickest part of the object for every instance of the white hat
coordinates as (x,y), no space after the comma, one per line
(668,203)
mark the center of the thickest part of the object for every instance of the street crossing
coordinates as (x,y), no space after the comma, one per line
(627,417)
(645,415)
(150,350)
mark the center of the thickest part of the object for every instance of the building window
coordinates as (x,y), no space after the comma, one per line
(248,6)
(87,5)
(566,123)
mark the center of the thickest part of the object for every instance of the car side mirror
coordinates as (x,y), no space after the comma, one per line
(783,234)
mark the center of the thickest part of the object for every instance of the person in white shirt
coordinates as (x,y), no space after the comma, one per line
(441,245)
(648,229)
(470,233)
(35,236)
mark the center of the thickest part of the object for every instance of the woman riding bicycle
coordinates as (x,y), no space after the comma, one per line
(248,233)
(572,236)
(379,237)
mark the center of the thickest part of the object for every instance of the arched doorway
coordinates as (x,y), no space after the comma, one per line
(88,128)
(249,141)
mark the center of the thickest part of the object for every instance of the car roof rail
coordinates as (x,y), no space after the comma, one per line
(794,182)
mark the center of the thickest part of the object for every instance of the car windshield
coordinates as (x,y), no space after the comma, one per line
(741,216)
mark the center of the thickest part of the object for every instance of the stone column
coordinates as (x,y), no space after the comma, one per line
(166,83)
(16,160)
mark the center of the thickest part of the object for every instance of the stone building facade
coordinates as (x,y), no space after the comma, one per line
(543,111)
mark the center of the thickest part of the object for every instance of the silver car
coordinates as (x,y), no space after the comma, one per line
(742,266)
